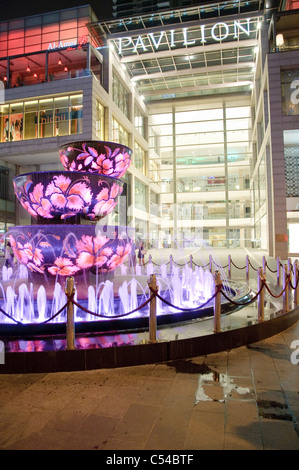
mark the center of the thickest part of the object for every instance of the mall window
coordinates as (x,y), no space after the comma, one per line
(120,95)
(140,195)
(47,117)
(119,134)
(100,121)
(139,121)
(139,158)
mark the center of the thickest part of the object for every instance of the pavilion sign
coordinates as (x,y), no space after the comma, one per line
(218,32)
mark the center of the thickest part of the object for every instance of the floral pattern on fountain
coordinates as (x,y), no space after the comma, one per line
(104,158)
(70,249)
(65,194)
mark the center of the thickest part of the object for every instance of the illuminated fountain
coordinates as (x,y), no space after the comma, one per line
(69,240)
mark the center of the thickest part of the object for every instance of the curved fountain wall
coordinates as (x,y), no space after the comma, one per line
(67,205)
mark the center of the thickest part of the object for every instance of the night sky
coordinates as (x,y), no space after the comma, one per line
(19,8)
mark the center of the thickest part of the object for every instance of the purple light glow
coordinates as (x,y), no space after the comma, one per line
(102,158)
(67,250)
(65,194)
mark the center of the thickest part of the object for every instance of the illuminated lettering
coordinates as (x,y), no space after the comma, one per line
(141,43)
(186,43)
(121,44)
(202,29)
(156,44)
(238,26)
(181,37)
(219,26)
(172,43)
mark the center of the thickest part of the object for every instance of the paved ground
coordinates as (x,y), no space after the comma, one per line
(242,399)
(246,399)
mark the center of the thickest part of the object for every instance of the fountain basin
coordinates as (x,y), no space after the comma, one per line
(67,250)
(60,195)
(100,157)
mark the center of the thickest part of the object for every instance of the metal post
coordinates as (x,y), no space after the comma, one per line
(152,283)
(70,325)
(217,303)
(296,287)
(290,271)
(247,268)
(286,289)
(191,261)
(211,263)
(261,298)
(264,264)
(278,271)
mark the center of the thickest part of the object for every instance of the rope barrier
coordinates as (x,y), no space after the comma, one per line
(219,289)
(185,309)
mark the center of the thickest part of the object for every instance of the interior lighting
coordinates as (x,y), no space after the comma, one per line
(279,40)
(28,69)
(66,69)
(59,62)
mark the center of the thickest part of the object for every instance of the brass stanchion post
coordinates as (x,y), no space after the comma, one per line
(153,310)
(211,263)
(261,298)
(247,268)
(278,271)
(286,289)
(229,267)
(70,325)
(217,303)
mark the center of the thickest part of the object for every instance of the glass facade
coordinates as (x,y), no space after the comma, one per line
(40,118)
(200,159)
(192,97)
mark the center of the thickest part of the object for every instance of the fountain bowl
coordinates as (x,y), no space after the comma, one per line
(64,194)
(100,157)
(69,250)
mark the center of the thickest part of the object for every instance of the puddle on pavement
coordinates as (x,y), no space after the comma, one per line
(212,385)
(273,410)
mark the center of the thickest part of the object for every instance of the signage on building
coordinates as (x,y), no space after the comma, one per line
(218,32)
(82,40)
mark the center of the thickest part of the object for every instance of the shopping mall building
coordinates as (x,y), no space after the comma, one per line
(207,97)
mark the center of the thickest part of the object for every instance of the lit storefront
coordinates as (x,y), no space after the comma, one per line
(204,96)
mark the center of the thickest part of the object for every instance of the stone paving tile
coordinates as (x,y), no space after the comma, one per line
(243,399)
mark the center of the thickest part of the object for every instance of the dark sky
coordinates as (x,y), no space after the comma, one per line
(19,8)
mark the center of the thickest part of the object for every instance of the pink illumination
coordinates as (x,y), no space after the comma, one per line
(104,158)
(63,195)
(65,250)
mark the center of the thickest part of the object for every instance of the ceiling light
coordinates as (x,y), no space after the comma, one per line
(59,62)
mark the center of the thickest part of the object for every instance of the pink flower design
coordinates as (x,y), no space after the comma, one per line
(123,162)
(34,202)
(63,267)
(69,198)
(122,253)
(106,200)
(28,254)
(89,159)
(92,251)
